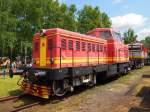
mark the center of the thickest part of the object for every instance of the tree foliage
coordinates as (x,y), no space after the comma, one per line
(129,36)
(89,18)
(20,19)
(146,43)
(105,21)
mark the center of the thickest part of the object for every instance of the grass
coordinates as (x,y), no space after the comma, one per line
(134,73)
(8,86)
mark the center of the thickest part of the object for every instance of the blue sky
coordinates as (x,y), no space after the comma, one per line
(123,13)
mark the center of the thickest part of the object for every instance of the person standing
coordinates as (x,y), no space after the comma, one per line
(5,67)
(4,71)
(11,70)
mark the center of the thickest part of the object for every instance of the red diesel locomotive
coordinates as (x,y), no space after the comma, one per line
(137,54)
(63,59)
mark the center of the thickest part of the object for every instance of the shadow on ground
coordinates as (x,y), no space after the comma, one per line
(54,100)
(15,92)
(146,76)
(145,103)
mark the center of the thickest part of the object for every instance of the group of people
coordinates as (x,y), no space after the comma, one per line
(9,66)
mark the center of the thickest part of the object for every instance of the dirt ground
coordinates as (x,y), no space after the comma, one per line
(130,93)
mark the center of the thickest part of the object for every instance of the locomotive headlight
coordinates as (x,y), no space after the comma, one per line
(52,60)
(33,61)
(40,73)
(42,32)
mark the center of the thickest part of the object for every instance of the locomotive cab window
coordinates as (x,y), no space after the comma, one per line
(63,44)
(117,36)
(105,35)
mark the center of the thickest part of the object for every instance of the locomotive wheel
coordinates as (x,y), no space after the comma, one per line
(93,81)
(125,71)
(58,88)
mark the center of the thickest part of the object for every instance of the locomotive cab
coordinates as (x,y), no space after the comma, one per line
(117,52)
(137,54)
(105,33)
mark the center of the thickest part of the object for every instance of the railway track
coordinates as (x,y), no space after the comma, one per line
(19,108)
(8,98)
(27,106)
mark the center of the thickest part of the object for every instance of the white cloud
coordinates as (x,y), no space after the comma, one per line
(130,20)
(117,1)
(143,33)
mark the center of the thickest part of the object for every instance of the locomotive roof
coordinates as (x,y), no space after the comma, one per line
(69,33)
(100,29)
(135,43)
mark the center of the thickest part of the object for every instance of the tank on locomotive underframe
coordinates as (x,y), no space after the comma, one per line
(64,59)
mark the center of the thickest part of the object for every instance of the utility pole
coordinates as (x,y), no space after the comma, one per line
(21,49)
(25,54)
(25,51)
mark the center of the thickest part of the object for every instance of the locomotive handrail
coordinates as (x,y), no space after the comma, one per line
(88,56)
(98,56)
(72,57)
(60,56)
(59,52)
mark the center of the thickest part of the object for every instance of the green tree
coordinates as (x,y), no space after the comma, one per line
(89,18)
(129,36)
(7,28)
(69,20)
(105,20)
(33,15)
(146,43)
(21,19)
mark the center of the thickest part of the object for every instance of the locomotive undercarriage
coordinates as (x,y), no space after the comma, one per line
(67,81)
(137,63)
(57,87)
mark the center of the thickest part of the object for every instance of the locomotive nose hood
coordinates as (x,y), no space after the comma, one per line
(42,52)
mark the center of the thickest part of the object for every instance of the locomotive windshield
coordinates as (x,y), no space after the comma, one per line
(105,34)
(135,47)
(117,36)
